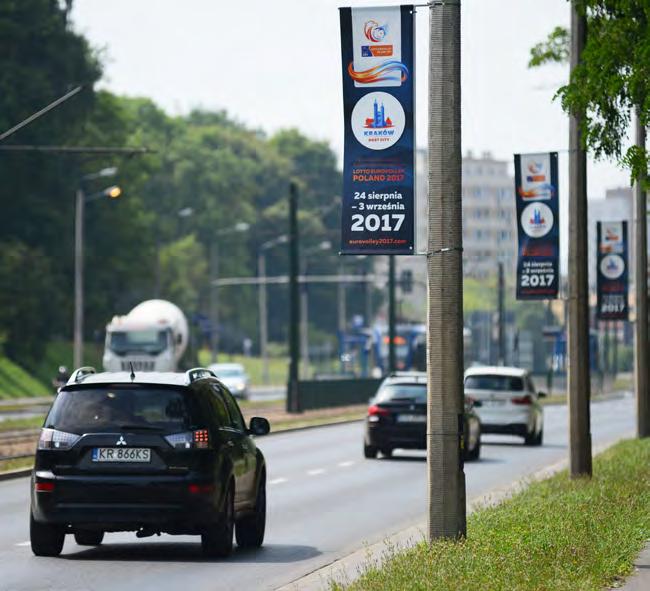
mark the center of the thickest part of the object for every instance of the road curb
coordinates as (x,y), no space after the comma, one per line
(308,427)
(348,568)
(13,474)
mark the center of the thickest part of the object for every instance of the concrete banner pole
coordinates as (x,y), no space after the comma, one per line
(446,476)
(579,384)
(641,297)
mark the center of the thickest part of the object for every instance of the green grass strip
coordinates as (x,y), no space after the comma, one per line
(556,535)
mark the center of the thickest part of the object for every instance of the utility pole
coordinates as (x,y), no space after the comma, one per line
(304,324)
(214,302)
(446,516)
(342,313)
(502,319)
(293,402)
(263,316)
(392,362)
(578,328)
(641,296)
(78,339)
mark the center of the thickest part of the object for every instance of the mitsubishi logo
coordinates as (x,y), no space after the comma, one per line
(121,441)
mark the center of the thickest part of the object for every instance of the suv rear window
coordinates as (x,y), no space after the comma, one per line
(488,382)
(93,410)
(399,392)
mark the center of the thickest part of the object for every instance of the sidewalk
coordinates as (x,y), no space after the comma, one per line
(639,580)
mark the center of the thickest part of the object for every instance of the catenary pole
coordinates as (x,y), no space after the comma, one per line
(446,476)
(502,318)
(641,296)
(293,403)
(392,332)
(78,341)
(578,328)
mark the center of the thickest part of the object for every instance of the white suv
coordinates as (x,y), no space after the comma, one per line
(507,402)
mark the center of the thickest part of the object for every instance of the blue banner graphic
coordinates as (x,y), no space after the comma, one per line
(611,271)
(538,226)
(378,210)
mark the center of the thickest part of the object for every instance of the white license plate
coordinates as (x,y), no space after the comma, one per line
(121,454)
(493,402)
(411,418)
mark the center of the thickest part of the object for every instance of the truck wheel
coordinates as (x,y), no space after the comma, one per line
(249,530)
(88,537)
(216,541)
(46,539)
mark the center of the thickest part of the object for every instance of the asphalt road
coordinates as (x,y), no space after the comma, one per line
(325,501)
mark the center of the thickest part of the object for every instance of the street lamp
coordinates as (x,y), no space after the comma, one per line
(264,328)
(111,192)
(304,308)
(214,274)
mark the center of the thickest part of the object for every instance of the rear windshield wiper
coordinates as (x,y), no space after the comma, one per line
(141,427)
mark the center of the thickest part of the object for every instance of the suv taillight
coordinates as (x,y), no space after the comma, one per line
(522,399)
(53,439)
(199,439)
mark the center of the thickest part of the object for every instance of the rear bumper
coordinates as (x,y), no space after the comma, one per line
(163,503)
(392,436)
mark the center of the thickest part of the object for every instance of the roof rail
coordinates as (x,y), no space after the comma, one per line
(79,374)
(197,373)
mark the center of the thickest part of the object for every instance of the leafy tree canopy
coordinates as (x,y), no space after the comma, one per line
(612,79)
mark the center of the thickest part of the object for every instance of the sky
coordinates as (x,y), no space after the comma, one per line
(273,65)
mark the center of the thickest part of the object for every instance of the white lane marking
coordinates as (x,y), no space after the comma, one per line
(277,481)
(23,544)
(345,464)
(315,472)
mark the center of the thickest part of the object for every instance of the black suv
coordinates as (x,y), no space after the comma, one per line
(150,453)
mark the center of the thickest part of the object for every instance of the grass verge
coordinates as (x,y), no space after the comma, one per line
(558,534)
(15,382)
(10,465)
(22,423)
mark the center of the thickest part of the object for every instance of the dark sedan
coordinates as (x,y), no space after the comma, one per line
(397,419)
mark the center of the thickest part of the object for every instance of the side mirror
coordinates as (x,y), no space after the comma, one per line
(541,394)
(477,403)
(259,426)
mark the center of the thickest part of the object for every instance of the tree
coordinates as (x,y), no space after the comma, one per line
(612,79)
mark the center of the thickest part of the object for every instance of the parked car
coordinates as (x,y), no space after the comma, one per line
(397,418)
(509,402)
(234,377)
(151,453)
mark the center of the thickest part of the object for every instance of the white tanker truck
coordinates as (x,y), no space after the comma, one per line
(153,337)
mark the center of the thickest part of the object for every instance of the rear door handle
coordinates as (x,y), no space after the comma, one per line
(230,443)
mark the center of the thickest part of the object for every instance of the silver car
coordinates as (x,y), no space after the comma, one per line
(509,402)
(234,377)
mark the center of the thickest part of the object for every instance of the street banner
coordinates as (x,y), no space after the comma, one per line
(538,226)
(611,271)
(378,209)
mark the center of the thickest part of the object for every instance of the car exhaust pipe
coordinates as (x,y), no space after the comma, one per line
(146,532)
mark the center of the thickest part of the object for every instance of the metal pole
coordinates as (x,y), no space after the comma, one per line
(392,361)
(78,279)
(263,316)
(641,274)
(304,326)
(214,299)
(341,301)
(578,328)
(502,319)
(293,403)
(446,477)
(368,300)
